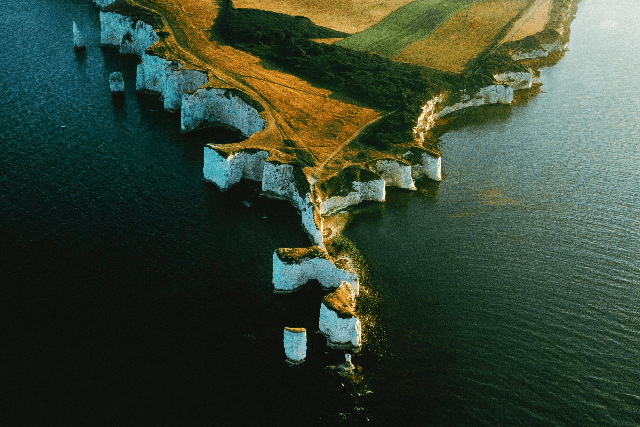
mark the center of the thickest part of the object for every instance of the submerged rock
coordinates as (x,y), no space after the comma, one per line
(116,83)
(338,320)
(295,345)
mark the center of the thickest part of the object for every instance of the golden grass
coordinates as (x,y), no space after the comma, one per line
(349,16)
(533,21)
(294,110)
(464,35)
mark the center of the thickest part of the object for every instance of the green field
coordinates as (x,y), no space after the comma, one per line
(411,23)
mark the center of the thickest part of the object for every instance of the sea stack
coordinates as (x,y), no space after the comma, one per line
(116,83)
(338,321)
(78,41)
(295,345)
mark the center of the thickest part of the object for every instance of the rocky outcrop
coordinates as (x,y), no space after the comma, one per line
(78,41)
(279,181)
(516,80)
(116,83)
(349,187)
(168,79)
(131,37)
(427,118)
(396,173)
(542,52)
(295,345)
(288,182)
(494,94)
(227,107)
(338,320)
(152,73)
(178,83)
(226,169)
(293,268)
(424,164)
(103,3)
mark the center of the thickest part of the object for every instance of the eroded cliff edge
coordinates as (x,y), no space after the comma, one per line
(301,143)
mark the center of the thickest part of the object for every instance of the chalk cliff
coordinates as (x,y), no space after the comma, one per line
(152,73)
(516,80)
(338,321)
(210,106)
(289,182)
(427,118)
(295,345)
(293,268)
(78,41)
(103,3)
(132,37)
(396,173)
(226,169)
(349,187)
(494,94)
(424,164)
(542,52)
(279,181)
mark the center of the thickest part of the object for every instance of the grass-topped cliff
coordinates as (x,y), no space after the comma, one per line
(323,100)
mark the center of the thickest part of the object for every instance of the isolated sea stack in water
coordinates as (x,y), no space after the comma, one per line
(78,41)
(116,83)
(295,345)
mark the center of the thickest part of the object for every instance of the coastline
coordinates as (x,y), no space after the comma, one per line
(319,196)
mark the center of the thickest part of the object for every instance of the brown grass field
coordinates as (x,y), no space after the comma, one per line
(533,21)
(294,110)
(464,35)
(349,16)
(308,122)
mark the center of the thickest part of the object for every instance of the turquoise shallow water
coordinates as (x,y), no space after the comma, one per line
(134,291)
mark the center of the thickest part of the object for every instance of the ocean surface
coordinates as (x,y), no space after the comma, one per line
(135,293)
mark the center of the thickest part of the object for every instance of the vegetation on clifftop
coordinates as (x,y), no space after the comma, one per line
(135,12)
(364,77)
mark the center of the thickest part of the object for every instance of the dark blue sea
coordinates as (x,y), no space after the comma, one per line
(133,292)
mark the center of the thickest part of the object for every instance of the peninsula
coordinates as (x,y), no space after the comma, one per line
(336,100)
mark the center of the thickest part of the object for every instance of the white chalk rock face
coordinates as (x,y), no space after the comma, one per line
(546,49)
(152,73)
(209,106)
(424,164)
(295,345)
(179,82)
(103,3)
(293,268)
(427,118)
(284,181)
(494,94)
(338,321)
(166,78)
(395,173)
(116,82)
(226,169)
(349,187)
(517,80)
(121,31)
(78,41)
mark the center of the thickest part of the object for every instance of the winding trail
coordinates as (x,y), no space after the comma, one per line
(305,116)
